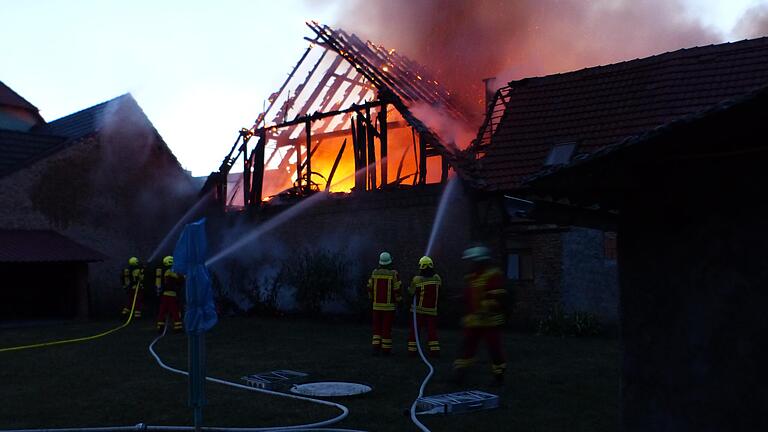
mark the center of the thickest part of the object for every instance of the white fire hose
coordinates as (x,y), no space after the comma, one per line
(415,420)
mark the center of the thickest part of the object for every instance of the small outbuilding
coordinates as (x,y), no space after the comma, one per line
(44,274)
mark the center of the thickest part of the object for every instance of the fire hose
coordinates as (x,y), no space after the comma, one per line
(81,339)
(415,420)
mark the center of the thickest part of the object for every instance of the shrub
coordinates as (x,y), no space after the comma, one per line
(558,323)
(318,276)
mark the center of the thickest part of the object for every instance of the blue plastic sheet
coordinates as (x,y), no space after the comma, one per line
(189,259)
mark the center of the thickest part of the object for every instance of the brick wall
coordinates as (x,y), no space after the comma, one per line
(590,280)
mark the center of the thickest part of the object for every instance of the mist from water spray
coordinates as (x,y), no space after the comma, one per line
(269,225)
(182,221)
(277,220)
(448,192)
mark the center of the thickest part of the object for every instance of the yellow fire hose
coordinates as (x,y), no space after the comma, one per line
(82,339)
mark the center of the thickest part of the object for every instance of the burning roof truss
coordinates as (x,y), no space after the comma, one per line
(342,121)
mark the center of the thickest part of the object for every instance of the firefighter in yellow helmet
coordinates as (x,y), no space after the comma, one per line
(384,293)
(169,289)
(133,284)
(426,288)
(484,299)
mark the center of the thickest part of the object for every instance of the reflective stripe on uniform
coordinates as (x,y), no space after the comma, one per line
(498,369)
(462,363)
(169,293)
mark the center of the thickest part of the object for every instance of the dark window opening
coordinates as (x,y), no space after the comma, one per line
(560,154)
(609,245)
(520,265)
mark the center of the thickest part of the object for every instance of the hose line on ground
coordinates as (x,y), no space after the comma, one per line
(82,339)
(415,420)
(305,427)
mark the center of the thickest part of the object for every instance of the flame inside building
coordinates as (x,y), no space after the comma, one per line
(343,121)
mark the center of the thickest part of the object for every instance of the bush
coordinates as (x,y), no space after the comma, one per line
(319,276)
(558,323)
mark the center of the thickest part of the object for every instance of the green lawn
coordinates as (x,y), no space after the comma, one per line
(553,384)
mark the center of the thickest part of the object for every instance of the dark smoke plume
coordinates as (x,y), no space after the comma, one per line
(463,42)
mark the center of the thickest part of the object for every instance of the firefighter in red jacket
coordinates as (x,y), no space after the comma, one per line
(169,289)
(133,281)
(426,288)
(384,293)
(484,298)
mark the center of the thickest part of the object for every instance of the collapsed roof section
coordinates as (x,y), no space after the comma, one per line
(343,121)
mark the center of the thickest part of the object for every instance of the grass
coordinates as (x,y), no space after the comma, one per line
(553,384)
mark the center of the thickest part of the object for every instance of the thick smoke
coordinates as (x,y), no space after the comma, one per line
(463,42)
(754,22)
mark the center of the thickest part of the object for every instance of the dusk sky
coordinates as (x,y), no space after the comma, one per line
(200,70)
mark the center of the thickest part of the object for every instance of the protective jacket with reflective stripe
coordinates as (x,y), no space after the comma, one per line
(484,298)
(172,283)
(427,290)
(133,277)
(384,289)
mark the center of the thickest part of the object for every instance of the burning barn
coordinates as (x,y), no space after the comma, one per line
(348,118)
(371,128)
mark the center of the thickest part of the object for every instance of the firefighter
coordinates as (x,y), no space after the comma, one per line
(384,293)
(426,287)
(484,298)
(133,284)
(169,289)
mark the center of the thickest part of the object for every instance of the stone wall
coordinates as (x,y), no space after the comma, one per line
(590,280)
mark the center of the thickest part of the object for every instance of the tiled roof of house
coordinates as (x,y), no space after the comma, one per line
(81,123)
(603,105)
(17,149)
(11,98)
(43,246)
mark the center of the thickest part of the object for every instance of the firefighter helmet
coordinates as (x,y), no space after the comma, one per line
(477,253)
(133,261)
(385,258)
(168,261)
(425,262)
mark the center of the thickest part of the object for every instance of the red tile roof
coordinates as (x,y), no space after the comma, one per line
(603,105)
(43,246)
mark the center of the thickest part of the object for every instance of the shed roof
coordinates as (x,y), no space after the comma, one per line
(28,246)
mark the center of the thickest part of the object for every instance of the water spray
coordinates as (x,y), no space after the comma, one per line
(193,211)
(278,220)
(448,192)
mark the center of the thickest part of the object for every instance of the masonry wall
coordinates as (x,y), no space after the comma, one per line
(590,280)
(361,226)
(118,192)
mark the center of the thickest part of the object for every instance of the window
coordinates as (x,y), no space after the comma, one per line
(520,265)
(609,245)
(560,154)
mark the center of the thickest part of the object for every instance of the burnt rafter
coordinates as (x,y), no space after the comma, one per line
(342,87)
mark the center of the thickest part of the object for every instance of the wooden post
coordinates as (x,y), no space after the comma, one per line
(422,159)
(383,142)
(361,147)
(444,175)
(371,149)
(246,173)
(308,127)
(336,165)
(297,145)
(258,171)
